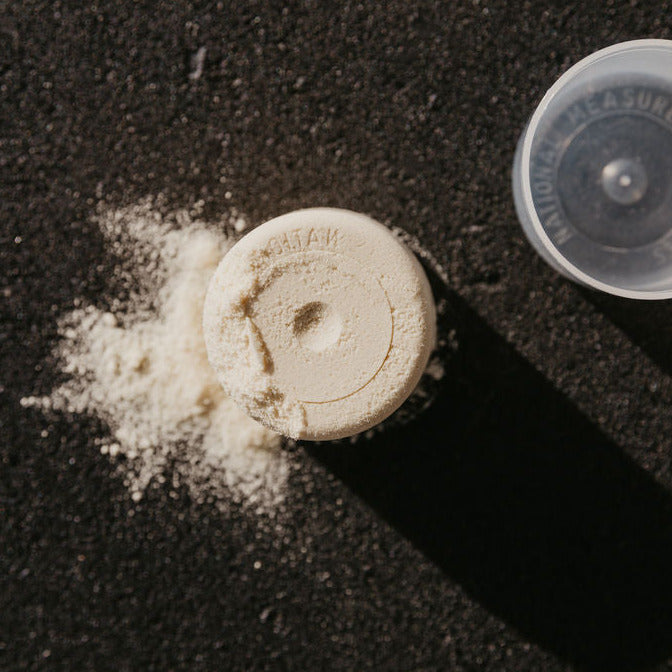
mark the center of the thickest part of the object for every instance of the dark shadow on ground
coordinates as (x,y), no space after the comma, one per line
(519,498)
(647,323)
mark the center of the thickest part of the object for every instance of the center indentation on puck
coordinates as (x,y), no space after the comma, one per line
(624,181)
(326,323)
(317,325)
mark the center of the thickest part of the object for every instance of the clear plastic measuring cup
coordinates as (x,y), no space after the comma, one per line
(592,174)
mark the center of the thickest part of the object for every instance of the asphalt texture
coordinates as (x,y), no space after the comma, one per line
(524,522)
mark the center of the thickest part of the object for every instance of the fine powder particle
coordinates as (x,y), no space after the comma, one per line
(142,368)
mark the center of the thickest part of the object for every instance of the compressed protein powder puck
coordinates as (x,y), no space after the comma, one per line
(319,323)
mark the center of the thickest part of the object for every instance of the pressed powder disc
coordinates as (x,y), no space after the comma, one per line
(319,323)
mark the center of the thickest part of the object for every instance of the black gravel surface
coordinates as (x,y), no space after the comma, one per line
(524,522)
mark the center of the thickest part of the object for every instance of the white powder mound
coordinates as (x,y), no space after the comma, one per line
(143,368)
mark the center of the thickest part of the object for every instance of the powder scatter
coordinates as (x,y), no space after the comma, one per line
(425,255)
(239,225)
(435,369)
(197,63)
(142,367)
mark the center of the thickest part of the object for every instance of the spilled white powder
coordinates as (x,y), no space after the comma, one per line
(142,367)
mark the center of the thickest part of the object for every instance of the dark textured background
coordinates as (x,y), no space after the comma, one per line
(524,523)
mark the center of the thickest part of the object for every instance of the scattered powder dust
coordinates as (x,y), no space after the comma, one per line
(142,367)
(423,253)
